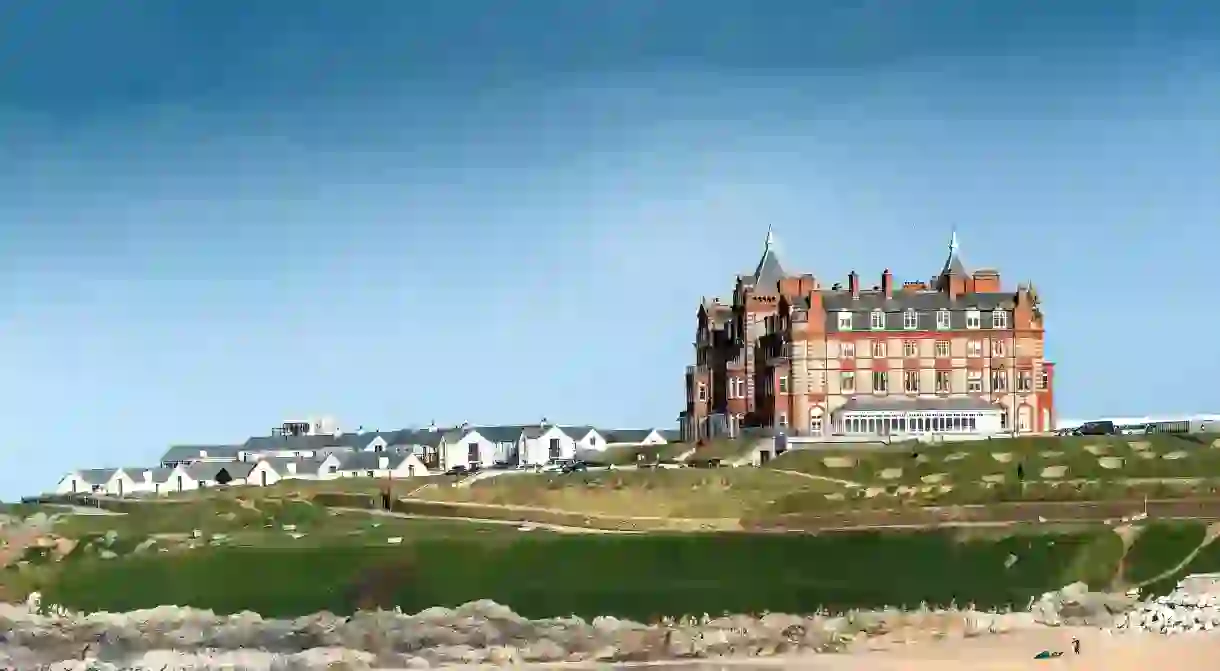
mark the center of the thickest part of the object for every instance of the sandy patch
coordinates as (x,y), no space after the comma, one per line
(1146,455)
(1051,472)
(1175,455)
(839,462)
(1110,462)
(890,473)
(1002,457)
(934,478)
(1139,445)
(873,492)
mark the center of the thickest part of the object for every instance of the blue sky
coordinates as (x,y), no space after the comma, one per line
(219,215)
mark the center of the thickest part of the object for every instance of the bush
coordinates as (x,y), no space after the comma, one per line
(629,576)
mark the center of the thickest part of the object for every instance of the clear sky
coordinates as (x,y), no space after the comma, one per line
(218,215)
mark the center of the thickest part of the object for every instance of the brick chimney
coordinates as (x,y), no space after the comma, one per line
(887,283)
(853,284)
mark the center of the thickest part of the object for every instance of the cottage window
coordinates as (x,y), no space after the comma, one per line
(974,319)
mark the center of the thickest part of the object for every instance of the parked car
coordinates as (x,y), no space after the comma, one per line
(1102,428)
(456,470)
(575,467)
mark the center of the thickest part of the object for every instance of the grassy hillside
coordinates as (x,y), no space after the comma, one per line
(1041,460)
(686,492)
(635,576)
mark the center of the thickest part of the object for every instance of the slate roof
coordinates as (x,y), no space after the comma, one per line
(300,443)
(361,440)
(577,432)
(161,475)
(369,461)
(208,470)
(508,433)
(890,404)
(414,437)
(188,452)
(627,435)
(96,476)
(925,304)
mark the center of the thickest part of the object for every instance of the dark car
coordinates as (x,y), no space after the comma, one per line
(1103,428)
(456,470)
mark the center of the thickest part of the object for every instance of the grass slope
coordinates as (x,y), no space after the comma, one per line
(633,576)
(1160,547)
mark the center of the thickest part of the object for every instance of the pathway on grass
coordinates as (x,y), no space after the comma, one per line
(559,528)
(1213,532)
(822,478)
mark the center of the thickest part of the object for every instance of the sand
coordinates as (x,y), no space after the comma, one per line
(1015,651)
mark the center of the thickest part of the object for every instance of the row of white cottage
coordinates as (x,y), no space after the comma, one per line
(265,460)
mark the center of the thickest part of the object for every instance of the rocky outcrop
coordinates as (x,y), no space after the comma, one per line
(1075,605)
(1194,605)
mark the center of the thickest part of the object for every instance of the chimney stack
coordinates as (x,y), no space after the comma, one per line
(887,283)
(853,284)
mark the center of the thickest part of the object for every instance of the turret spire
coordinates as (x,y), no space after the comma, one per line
(953,242)
(770,241)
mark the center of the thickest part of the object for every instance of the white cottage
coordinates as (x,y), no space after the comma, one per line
(268,471)
(382,465)
(87,481)
(468,448)
(585,437)
(635,437)
(542,444)
(130,480)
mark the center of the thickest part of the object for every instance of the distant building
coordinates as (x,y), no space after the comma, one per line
(956,354)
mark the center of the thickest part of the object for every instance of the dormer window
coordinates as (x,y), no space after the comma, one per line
(876,320)
(844,321)
(999,319)
(974,319)
(942,320)
(910,320)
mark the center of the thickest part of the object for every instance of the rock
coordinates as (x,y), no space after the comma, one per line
(1052,472)
(934,478)
(1097,450)
(1002,457)
(890,473)
(839,462)
(106,554)
(1110,463)
(1179,454)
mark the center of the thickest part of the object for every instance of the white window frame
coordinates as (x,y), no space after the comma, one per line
(939,349)
(974,319)
(947,387)
(1025,381)
(1040,382)
(783,420)
(910,319)
(974,348)
(847,381)
(910,349)
(883,377)
(701,394)
(997,347)
(816,422)
(999,319)
(974,381)
(847,350)
(1000,375)
(845,320)
(876,320)
(910,381)
(783,385)
(944,320)
(878,349)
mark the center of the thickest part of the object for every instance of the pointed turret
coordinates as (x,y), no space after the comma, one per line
(769,272)
(953,264)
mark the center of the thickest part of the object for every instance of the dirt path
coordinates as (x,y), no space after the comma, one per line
(1213,532)
(822,478)
(558,528)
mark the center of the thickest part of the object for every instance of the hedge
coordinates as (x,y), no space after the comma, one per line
(628,576)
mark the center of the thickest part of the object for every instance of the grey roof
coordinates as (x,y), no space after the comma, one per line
(535,431)
(361,440)
(769,272)
(892,404)
(577,432)
(369,461)
(297,443)
(161,475)
(208,470)
(627,435)
(508,433)
(925,305)
(188,452)
(96,476)
(671,435)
